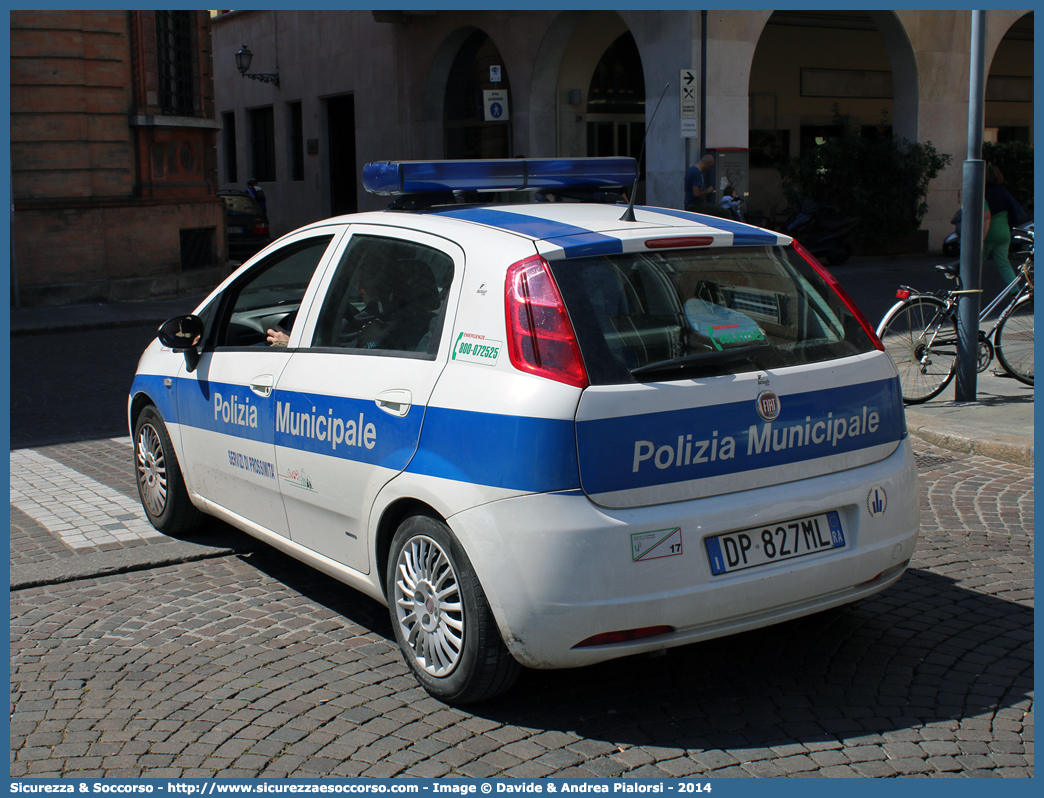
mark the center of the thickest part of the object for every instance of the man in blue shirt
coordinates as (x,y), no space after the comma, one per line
(695,191)
(698,197)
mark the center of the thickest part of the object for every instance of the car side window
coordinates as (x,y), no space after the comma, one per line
(269,296)
(387,294)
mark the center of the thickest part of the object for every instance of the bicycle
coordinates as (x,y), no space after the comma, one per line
(920,334)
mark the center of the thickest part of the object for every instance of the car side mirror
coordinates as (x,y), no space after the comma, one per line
(183,334)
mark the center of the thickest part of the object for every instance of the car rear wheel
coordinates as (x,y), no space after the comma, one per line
(441,618)
(161,486)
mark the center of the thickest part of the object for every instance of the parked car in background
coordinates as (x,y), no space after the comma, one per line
(247,225)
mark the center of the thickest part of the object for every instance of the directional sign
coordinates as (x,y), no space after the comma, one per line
(496,105)
(687,86)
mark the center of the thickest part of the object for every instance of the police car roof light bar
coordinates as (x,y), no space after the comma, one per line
(397,178)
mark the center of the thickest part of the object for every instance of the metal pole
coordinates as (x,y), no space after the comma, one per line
(973,186)
(703,83)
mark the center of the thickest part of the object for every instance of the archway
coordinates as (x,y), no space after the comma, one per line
(806,65)
(467,132)
(599,84)
(1009,86)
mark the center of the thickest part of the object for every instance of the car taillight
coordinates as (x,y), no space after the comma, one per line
(541,340)
(260,228)
(836,286)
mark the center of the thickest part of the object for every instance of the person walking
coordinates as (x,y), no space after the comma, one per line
(1004,211)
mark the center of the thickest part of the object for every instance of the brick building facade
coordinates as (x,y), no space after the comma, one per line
(112,156)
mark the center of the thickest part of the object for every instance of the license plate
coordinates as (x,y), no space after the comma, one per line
(762,545)
(235,229)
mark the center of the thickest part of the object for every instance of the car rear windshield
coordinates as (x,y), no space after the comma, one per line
(237,204)
(653,316)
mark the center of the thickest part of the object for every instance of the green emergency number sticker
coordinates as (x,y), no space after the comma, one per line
(475,348)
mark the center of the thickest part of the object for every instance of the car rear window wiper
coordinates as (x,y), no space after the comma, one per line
(709,358)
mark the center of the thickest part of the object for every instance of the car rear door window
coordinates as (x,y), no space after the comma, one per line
(387,295)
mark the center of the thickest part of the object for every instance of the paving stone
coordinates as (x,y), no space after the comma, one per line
(829,758)
(764,769)
(840,772)
(679,767)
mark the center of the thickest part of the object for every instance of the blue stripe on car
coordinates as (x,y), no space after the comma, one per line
(515,452)
(538,454)
(640,451)
(212,406)
(164,398)
(576,241)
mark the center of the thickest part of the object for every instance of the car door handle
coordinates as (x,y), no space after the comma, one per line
(395,402)
(262,385)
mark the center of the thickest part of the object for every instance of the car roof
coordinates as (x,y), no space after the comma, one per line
(577,228)
(432,197)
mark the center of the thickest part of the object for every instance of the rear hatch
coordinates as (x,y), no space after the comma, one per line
(716,369)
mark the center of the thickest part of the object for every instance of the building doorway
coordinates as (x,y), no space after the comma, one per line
(616,101)
(340,116)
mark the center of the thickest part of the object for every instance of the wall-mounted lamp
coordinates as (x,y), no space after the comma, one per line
(573,98)
(243,59)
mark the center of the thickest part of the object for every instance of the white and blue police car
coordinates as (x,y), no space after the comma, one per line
(545,434)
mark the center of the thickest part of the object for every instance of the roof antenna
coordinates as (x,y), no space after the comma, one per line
(629,213)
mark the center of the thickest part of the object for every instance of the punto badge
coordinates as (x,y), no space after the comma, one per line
(768,405)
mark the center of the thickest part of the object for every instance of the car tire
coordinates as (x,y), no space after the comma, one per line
(440,616)
(161,486)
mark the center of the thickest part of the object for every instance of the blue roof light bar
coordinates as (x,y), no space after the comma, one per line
(396,178)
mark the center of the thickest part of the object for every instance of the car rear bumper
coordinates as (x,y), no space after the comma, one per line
(559,570)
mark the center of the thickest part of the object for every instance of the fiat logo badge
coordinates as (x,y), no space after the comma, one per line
(768,405)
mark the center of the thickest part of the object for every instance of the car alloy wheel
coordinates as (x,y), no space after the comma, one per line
(428,606)
(440,615)
(152,470)
(161,486)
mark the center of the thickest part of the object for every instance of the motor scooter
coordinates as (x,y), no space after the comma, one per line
(824,233)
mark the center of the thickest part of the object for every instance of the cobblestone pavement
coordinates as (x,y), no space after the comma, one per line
(254,665)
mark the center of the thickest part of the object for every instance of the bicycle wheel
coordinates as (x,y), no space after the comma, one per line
(1014,339)
(922,342)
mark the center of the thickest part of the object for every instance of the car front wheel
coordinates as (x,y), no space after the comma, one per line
(161,487)
(441,618)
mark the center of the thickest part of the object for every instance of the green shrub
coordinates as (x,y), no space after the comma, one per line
(883,180)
